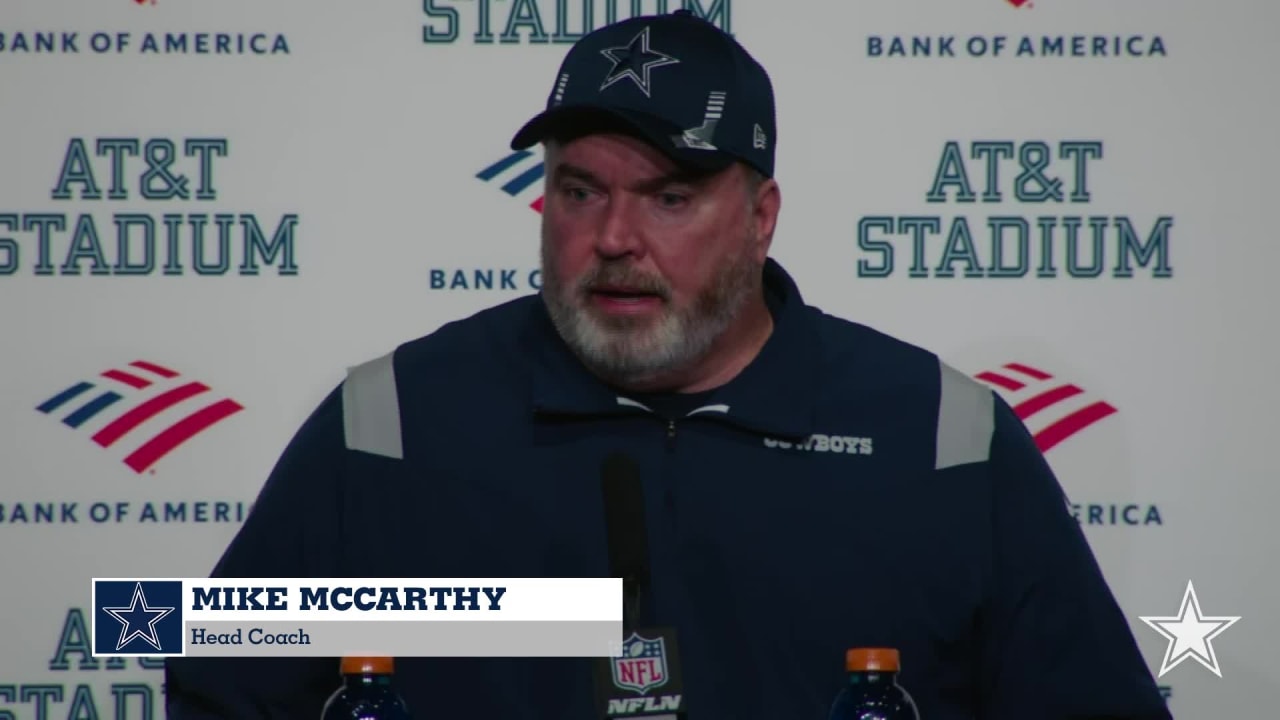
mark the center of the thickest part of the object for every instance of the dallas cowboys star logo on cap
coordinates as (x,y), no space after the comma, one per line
(634,61)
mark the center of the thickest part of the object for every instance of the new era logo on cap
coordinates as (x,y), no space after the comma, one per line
(675,79)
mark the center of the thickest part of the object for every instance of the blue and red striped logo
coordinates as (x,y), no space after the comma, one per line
(130,398)
(517,173)
(1054,410)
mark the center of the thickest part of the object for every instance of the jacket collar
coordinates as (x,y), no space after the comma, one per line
(774,395)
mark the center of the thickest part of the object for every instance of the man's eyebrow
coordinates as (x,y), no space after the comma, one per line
(680,176)
(566,171)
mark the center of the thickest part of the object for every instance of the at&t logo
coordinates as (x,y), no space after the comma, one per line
(543,22)
(1037,224)
(94,236)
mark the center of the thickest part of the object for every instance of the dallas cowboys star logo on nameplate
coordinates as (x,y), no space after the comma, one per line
(138,620)
(634,61)
(1190,634)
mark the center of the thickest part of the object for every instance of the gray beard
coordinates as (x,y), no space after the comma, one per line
(629,351)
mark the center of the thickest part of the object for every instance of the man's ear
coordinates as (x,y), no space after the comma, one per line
(766,204)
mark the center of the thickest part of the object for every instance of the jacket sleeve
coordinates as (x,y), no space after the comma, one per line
(1056,644)
(293,530)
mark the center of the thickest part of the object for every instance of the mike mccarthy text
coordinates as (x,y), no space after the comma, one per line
(354,599)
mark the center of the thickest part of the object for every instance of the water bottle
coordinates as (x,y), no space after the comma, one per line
(367,693)
(871,690)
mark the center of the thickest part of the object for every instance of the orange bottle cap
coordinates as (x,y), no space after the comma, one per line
(864,659)
(368,665)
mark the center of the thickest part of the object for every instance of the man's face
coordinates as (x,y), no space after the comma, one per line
(644,268)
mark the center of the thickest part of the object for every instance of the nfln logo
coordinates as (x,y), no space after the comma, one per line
(644,664)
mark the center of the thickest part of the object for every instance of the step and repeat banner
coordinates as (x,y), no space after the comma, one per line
(208,210)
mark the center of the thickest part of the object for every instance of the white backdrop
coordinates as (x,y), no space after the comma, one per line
(357,155)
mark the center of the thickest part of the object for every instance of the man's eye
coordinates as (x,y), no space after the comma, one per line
(671,199)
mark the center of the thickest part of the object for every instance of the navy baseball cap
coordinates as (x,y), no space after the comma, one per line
(676,80)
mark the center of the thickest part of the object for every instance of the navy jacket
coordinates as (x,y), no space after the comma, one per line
(847,489)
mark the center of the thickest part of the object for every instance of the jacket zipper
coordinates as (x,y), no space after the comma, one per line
(666,518)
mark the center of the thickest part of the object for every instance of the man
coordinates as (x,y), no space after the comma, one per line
(810,484)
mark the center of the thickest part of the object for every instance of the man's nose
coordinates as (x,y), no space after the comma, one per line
(619,233)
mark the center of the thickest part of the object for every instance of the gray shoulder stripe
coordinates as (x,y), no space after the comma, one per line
(966,419)
(371,408)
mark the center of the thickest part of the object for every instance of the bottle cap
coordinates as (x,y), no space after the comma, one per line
(367,666)
(863,659)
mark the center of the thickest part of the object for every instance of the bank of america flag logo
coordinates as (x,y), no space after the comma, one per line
(1052,409)
(132,617)
(518,175)
(148,409)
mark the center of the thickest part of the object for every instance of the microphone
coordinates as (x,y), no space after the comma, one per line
(625,532)
(643,679)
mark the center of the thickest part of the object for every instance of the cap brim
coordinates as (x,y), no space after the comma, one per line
(567,122)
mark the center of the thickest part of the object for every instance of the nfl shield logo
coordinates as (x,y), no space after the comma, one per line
(642,665)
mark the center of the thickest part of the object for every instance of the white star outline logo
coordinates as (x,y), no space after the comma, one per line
(1189,633)
(148,635)
(627,54)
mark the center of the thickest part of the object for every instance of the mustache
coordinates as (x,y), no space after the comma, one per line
(614,275)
